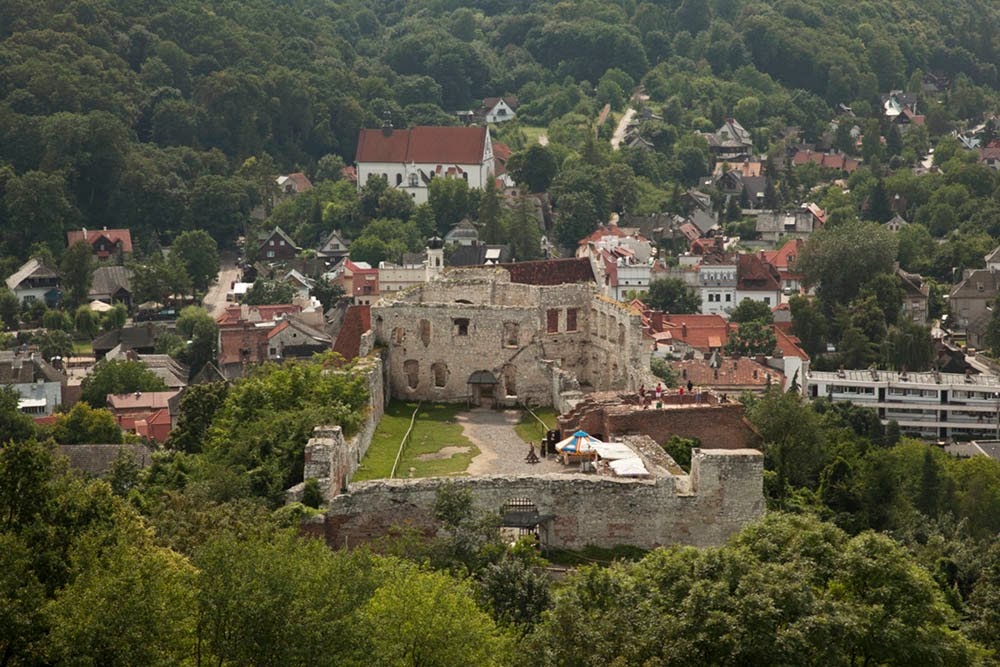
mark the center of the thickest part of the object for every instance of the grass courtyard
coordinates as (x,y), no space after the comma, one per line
(436,446)
(530,430)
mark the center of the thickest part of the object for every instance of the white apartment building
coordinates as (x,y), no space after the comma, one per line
(931,405)
(717,285)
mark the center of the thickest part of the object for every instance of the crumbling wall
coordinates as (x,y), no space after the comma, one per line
(437,335)
(723,493)
(329,457)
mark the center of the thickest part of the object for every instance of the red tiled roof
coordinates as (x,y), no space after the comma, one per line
(779,258)
(350,174)
(91,236)
(836,161)
(753,274)
(551,271)
(149,400)
(731,372)
(501,151)
(357,320)
(423,144)
(237,314)
(707,332)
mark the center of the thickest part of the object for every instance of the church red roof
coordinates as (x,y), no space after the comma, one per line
(423,145)
(551,271)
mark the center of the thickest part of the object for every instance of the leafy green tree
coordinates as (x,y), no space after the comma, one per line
(524,232)
(909,346)
(672,295)
(118,377)
(160,279)
(57,320)
(219,206)
(76,269)
(327,293)
(132,604)
(577,219)
(54,343)
(38,210)
(855,349)
(14,424)
(85,425)
(10,309)
(435,621)
(535,167)
(201,332)
(662,369)
(451,200)
(840,260)
(198,406)
(115,318)
(749,310)
(491,215)
(199,254)
(752,338)
(86,322)
(266,292)
(808,324)
(22,598)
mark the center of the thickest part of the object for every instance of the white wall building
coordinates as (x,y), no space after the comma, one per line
(935,406)
(717,285)
(409,159)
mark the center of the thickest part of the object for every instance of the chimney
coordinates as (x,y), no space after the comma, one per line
(684,330)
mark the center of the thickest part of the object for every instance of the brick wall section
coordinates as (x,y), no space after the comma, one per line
(722,495)
(715,425)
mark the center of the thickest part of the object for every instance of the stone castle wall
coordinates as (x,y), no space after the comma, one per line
(527,336)
(723,493)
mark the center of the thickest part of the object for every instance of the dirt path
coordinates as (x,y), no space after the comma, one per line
(501,450)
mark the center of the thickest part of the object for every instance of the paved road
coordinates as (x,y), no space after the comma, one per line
(501,450)
(619,135)
(215,298)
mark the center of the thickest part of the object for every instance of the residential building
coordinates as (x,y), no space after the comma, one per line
(731,140)
(35,281)
(112,284)
(409,159)
(105,242)
(293,184)
(397,277)
(775,226)
(935,406)
(140,338)
(757,280)
(38,383)
(150,414)
(717,282)
(971,300)
(294,338)
(358,279)
(335,247)
(243,334)
(896,224)
(277,245)
(916,296)
(783,259)
(480,255)
(498,109)
(464,232)
(832,160)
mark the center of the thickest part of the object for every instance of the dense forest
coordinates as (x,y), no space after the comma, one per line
(161,117)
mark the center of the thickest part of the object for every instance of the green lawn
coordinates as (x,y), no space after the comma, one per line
(434,429)
(530,430)
(82,347)
(532,132)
